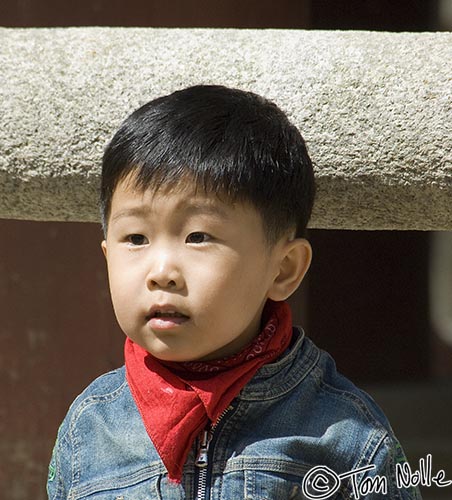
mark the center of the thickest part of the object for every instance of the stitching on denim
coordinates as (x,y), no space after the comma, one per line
(77,408)
(148,473)
(359,403)
(240,464)
(57,478)
(371,447)
(311,355)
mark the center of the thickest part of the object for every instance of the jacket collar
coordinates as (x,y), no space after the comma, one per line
(276,379)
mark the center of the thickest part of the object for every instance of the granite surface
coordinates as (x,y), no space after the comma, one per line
(375,109)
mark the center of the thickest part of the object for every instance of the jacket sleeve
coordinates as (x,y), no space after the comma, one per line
(59,474)
(388,460)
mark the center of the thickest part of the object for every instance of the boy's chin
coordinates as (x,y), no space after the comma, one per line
(172,357)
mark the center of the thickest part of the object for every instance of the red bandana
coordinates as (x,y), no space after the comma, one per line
(177,400)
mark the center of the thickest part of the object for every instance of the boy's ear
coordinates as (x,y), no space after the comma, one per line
(104,247)
(294,261)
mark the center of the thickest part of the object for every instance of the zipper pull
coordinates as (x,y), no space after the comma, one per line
(203,450)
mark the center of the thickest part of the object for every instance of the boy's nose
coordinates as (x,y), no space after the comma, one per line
(164,274)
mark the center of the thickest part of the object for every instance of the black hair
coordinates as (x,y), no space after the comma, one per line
(231,143)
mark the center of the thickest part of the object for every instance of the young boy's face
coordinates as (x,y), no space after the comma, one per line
(189,274)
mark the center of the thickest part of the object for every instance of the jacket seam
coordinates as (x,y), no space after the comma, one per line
(73,434)
(357,402)
(289,385)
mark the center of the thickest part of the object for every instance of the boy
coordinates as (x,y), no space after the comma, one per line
(205,197)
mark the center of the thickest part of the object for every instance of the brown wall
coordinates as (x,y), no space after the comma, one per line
(368,303)
(172,13)
(57,333)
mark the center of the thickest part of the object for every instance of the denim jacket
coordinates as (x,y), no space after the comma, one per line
(298,430)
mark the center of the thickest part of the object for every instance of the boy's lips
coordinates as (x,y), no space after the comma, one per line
(162,317)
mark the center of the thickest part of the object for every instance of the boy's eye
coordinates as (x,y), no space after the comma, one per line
(197,237)
(137,239)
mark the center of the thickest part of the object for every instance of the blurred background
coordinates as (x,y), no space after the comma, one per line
(379,301)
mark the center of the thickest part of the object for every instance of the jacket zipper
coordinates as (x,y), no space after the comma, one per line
(202,457)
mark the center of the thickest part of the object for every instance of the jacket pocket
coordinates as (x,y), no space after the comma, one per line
(272,479)
(117,489)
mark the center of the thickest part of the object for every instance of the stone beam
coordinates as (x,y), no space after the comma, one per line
(375,109)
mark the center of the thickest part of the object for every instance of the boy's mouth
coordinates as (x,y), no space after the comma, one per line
(169,314)
(163,317)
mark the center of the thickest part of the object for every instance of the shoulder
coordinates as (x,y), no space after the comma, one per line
(319,404)
(337,394)
(104,388)
(104,394)
(299,417)
(356,428)
(94,423)
(105,384)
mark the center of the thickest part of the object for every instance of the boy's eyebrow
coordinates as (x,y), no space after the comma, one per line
(130,212)
(196,207)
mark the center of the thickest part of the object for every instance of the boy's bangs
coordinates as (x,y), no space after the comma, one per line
(218,181)
(175,178)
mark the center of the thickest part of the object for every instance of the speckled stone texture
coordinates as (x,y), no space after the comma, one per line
(375,109)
